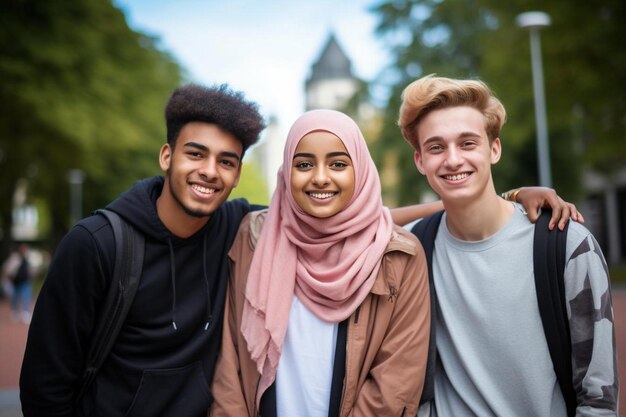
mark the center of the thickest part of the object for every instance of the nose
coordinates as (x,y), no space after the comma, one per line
(208,169)
(320,176)
(453,157)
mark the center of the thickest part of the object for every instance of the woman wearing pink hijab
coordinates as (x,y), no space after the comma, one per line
(328,307)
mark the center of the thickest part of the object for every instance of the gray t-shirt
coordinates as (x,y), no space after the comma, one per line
(493,359)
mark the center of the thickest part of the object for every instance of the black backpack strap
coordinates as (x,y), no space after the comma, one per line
(549,266)
(129,252)
(426,231)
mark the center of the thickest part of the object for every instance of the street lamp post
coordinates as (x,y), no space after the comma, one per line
(76,177)
(534,22)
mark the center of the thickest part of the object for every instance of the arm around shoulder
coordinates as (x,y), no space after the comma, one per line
(407,214)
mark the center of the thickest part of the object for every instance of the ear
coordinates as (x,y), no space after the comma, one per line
(496,151)
(417,158)
(165,157)
(236,183)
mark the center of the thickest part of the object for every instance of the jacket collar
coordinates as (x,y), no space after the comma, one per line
(387,281)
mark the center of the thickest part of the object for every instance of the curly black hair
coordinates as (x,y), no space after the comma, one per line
(216,104)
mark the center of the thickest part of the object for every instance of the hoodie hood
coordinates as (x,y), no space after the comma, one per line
(138,207)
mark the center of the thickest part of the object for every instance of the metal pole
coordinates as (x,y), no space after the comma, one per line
(76,178)
(543,149)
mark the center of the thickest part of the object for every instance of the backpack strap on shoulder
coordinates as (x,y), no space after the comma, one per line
(426,231)
(549,266)
(129,253)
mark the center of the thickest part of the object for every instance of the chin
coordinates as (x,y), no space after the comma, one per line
(322,215)
(198,212)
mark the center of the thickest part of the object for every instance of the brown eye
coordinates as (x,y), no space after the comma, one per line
(435,148)
(303,165)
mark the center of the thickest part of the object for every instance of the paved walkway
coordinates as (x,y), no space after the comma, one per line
(13,341)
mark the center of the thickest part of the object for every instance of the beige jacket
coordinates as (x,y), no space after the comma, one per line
(387,342)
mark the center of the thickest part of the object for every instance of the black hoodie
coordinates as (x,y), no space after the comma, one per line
(163,360)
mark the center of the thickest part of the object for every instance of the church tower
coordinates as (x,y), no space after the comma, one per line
(331,82)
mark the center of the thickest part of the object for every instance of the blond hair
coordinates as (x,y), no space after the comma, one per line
(433,93)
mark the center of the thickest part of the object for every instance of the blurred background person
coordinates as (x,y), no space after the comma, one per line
(18,271)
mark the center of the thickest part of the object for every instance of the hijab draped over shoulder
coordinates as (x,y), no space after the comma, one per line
(330,264)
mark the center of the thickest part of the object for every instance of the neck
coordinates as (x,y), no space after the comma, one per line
(176,220)
(479,219)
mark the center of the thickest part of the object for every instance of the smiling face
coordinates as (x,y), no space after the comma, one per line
(322,175)
(456,155)
(201,171)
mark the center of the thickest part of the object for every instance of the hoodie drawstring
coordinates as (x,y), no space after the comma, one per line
(173,277)
(206,283)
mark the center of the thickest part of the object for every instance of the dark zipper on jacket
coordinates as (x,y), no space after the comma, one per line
(257,411)
(343,390)
(357,314)
(393,294)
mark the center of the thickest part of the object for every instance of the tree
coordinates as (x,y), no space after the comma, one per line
(251,185)
(80,90)
(584,70)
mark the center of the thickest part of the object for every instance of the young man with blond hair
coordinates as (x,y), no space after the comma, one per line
(492,354)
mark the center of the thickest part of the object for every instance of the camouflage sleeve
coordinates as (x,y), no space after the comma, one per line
(590,313)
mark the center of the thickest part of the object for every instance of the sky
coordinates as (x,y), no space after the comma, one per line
(263,48)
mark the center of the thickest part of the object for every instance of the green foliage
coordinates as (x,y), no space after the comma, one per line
(80,90)
(251,185)
(584,65)
(45,223)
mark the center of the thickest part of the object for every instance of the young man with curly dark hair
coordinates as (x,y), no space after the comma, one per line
(163,359)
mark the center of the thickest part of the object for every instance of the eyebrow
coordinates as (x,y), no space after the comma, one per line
(461,135)
(201,147)
(328,155)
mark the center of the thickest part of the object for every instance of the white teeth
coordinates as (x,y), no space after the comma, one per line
(457,176)
(203,190)
(321,195)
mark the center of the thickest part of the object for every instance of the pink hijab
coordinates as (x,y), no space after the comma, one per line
(329,264)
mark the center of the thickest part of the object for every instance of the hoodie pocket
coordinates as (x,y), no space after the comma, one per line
(172,393)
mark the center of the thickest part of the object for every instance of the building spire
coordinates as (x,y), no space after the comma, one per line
(332,63)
